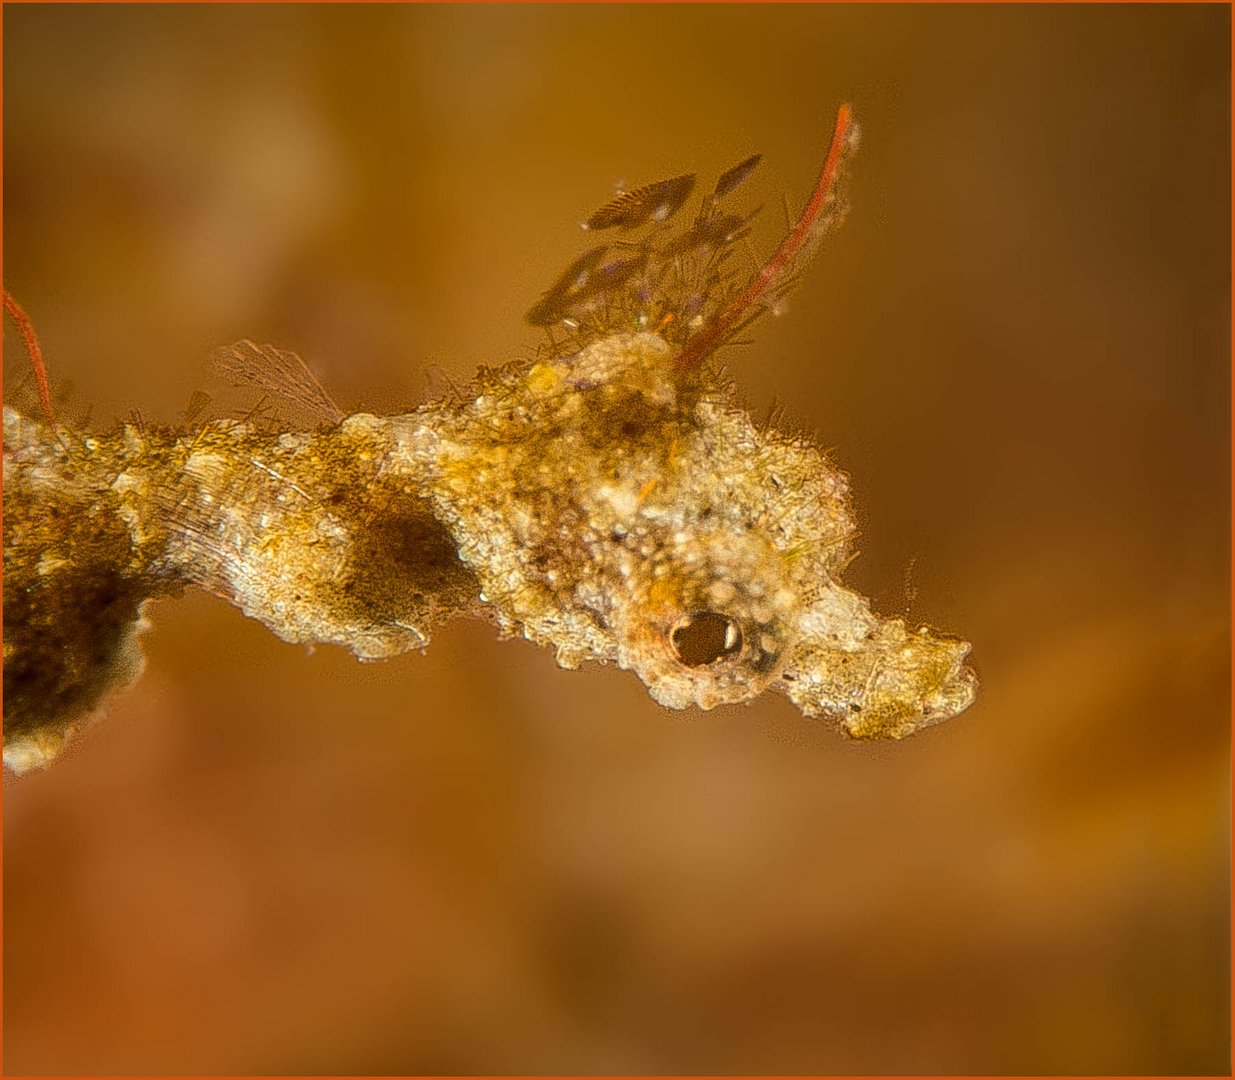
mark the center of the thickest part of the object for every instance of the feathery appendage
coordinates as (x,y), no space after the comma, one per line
(608,500)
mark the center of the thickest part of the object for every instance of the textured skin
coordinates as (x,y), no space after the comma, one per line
(598,503)
(609,501)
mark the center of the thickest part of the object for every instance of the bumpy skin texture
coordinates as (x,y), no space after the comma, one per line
(598,503)
(614,514)
(609,501)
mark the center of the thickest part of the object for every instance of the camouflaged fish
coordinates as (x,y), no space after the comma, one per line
(607,499)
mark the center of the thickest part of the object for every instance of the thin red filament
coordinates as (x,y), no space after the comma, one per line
(34,351)
(733,315)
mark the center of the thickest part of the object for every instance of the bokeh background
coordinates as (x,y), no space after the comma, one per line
(273,860)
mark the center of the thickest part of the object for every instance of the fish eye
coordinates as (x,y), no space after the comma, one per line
(703,637)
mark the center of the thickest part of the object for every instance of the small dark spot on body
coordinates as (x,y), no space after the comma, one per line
(540,558)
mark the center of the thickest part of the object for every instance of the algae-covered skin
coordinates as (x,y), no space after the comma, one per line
(609,500)
(614,514)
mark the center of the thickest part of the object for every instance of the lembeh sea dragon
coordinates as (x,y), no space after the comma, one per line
(607,498)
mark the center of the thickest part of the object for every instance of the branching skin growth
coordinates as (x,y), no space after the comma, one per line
(607,500)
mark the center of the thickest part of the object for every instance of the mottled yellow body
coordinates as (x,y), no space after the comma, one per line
(595,503)
(610,501)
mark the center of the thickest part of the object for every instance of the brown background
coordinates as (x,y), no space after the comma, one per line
(272,861)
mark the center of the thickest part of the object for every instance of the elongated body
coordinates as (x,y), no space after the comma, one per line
(608,500)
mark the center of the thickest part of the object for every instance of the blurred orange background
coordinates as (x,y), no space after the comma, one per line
(268,860)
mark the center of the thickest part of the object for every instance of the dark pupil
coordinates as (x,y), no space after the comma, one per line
(705,637)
